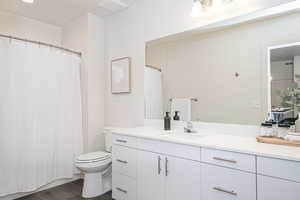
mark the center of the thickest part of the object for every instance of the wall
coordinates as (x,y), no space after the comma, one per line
(127,32)
(28,28)
(85,34)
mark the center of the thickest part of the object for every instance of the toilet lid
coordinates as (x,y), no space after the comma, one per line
(94,156)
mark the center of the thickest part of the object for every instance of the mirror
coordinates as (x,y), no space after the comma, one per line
(284,70)
(220,75)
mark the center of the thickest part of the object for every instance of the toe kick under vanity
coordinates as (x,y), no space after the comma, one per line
(152,168)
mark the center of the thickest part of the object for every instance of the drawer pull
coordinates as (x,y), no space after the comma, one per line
(121,190)
(224,160)
(122,141)
(166,166)
(122,161)
(225,191)
(159,164)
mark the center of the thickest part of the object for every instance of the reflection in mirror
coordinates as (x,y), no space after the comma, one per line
(225,70)
(284,75)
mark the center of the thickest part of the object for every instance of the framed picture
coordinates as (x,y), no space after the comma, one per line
(121,75)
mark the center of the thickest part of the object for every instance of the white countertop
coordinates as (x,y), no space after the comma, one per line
(241,144)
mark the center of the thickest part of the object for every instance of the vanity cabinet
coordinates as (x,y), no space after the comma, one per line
(148,169)
(163,177)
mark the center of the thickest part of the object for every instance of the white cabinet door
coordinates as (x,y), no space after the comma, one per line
(277,189)
(150,181)
(182,179)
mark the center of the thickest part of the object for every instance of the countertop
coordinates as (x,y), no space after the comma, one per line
(241,144)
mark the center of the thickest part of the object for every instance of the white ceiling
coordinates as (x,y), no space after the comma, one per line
(59,12)
(287,53)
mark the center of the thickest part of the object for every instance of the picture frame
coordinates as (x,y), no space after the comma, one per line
(121,75)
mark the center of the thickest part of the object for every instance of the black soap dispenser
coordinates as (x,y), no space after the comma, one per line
(176,116)
(167,122)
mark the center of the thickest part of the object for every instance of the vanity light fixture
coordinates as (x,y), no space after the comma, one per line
(217,3)
(197,8)
(202,5)
(28,1)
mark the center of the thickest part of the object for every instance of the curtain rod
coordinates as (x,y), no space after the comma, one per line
(192,99)
(41,43)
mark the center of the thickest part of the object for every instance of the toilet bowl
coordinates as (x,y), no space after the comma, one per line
(96,167)
(93,166)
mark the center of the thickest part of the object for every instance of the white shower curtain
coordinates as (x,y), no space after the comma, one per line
(153,93)
(40,116)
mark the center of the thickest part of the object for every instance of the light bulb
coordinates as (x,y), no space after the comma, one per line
(197,8)
(217,3)
(28,1)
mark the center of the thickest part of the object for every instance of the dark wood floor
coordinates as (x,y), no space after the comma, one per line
(69,191)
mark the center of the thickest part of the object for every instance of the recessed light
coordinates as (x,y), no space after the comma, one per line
(28,1)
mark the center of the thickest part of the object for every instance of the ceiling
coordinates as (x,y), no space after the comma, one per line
(59,12)
(287,53)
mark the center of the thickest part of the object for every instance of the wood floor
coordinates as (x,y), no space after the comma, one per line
(70,191)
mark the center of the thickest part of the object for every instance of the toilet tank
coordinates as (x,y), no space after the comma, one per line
(108,140)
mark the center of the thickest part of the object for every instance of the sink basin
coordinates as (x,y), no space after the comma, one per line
(185,136)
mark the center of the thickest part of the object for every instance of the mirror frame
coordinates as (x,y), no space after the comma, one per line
(269,76)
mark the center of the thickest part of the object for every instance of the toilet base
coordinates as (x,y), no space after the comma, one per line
(92,185)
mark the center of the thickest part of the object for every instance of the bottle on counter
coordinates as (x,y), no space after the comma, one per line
(167,122)
(176,116)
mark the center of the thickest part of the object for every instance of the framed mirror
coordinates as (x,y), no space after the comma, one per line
(226,70)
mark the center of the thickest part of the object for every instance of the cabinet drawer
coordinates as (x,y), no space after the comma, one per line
(124,160)
(233,160)
(123,187)
(219,183)
(278,168)
(277,189)
(124,140)
(168,148)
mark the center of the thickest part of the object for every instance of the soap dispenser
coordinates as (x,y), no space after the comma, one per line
(167,122)
(176,116)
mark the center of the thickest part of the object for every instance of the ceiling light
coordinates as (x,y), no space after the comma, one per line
(217,3)
(197,8)
(28,1)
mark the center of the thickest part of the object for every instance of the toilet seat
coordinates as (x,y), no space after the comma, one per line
(93,157)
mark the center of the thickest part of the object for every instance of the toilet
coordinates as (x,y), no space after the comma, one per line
(96,167)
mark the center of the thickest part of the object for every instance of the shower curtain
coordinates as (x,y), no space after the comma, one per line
(153,93)
(40,116)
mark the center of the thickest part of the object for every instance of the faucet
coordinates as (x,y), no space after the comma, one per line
(189,127)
